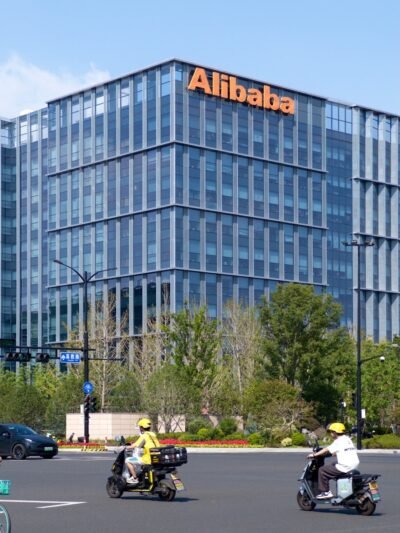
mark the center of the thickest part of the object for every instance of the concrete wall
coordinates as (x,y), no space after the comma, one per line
(111,425)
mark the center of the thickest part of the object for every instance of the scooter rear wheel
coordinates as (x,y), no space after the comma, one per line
(367,507)
(304,501)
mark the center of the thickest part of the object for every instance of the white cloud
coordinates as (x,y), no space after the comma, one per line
(24,86)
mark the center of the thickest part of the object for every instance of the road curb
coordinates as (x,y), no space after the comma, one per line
(205,450)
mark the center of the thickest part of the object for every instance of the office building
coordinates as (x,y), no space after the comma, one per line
(195,185)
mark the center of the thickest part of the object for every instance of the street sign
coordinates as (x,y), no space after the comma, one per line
(70,357)
(88,387)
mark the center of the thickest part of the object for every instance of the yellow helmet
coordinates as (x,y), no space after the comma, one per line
(144,423)
(337,427)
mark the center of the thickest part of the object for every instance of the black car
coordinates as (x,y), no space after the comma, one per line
(21,441)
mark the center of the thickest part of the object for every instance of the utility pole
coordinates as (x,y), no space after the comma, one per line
(86,279)
(358,245)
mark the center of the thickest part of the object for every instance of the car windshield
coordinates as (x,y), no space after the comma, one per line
(23,430)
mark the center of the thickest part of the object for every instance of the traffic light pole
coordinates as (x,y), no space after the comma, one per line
(85,278)
(358,244)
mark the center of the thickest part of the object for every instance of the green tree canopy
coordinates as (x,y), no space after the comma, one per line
(305,345)
(276,406)
(193,342)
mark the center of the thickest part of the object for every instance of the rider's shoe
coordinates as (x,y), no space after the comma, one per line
(325,495)
(132,480)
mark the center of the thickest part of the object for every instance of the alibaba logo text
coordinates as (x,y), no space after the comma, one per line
(226,86)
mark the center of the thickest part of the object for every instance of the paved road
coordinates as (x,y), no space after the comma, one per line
(226,493)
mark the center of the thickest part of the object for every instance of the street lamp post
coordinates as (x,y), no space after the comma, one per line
(85,278)
(358,245)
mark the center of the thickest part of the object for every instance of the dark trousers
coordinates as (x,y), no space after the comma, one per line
(325,473)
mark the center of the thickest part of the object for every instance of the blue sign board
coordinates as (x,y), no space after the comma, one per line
(70,357)
(88,387)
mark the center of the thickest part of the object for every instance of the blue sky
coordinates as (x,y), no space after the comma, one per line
(346,50)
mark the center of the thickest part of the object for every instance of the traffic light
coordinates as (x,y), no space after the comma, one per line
(93,405)
(42,357)
(18,357)
(86,405)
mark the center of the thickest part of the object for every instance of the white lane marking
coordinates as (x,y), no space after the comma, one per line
(53,503)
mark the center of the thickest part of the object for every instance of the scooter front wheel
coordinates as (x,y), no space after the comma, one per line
(304,501)
(113,488)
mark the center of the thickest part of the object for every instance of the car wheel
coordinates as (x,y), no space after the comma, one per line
(4,456)
(19,451)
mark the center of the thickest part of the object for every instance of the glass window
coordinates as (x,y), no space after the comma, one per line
(151,108)
(194,239)
(194,176)
(124,246)
(258,247)
(165,103)
(274,250)
(151,178)
(243,240)
(227,243)
(137,182)
(165,175)
(211,180)
(273,191)
(138,113)
(165,238)
(211,122)
(227,182)
(112,119)
(211,241)
(137,243)
(124,116)
(243,186)
(151,241)
(124,194)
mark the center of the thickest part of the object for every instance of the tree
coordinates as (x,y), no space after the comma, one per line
(127,395)
(110,346)
(66,399)
(380,384)
(224,399)
(276,407)
(242,341)
(305,345)
(150,349)
(192,342)
(167,394)
(20,401)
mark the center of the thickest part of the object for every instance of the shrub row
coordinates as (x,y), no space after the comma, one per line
(388,441)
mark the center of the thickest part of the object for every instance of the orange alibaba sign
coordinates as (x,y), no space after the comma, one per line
(225,86)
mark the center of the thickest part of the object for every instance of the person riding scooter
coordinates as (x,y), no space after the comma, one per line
(142,446)
(346,454)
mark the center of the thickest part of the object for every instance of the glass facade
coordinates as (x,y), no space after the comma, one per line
(192,197)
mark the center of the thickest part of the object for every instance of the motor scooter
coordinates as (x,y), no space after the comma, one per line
(353,490)
(160,477)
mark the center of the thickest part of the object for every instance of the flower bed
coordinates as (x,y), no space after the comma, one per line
(220,443)
(237,443)
(80,445)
